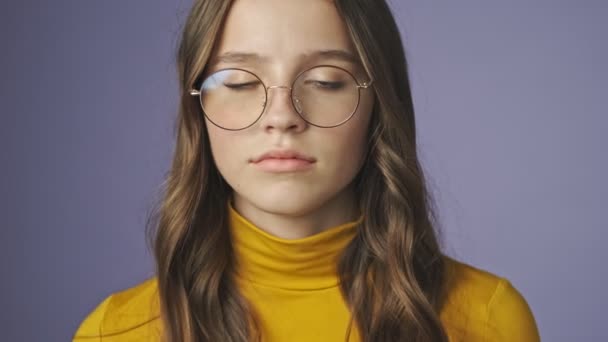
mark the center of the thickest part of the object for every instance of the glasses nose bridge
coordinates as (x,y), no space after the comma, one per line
(277,87)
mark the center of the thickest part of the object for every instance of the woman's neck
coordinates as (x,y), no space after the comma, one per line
(300,224)
(303,264)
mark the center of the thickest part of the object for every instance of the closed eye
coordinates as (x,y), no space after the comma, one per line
(239,86)
(325,84)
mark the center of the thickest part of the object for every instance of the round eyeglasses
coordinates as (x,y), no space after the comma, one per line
(324,96)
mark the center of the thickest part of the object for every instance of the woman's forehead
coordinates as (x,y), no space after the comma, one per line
(271,28)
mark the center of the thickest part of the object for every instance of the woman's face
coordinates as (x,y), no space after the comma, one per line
(287,37)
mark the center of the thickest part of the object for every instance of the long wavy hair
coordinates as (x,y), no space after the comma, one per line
(392,273)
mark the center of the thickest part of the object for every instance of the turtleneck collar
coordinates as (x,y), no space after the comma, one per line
(308,263)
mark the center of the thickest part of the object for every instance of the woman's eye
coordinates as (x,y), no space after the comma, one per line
(326,84)
(241,86)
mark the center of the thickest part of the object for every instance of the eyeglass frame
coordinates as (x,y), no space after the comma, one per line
(364,85)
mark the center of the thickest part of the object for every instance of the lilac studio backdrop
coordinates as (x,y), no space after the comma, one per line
(512,122)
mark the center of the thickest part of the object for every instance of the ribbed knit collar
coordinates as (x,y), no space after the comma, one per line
(296,264)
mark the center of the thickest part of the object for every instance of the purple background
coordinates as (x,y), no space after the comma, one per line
(510,102)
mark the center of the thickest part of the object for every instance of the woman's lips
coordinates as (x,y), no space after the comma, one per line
(283,165)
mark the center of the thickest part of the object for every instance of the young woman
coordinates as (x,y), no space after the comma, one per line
(296,207)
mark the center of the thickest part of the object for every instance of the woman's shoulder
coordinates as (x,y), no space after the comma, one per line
(129,313)
(483,306)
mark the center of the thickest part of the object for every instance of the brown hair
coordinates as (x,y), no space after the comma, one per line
(392,272)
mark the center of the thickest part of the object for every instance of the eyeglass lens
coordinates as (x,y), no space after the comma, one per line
(324,96)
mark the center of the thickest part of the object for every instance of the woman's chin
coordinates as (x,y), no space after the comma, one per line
(288,204)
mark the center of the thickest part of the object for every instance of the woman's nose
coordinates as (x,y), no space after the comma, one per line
(279,112)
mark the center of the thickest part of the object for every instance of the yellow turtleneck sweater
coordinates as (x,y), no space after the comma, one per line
(293,283)
(293,286)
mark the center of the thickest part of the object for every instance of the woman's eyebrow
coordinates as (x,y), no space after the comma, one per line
(341,55)
(242,57)
(238,57)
